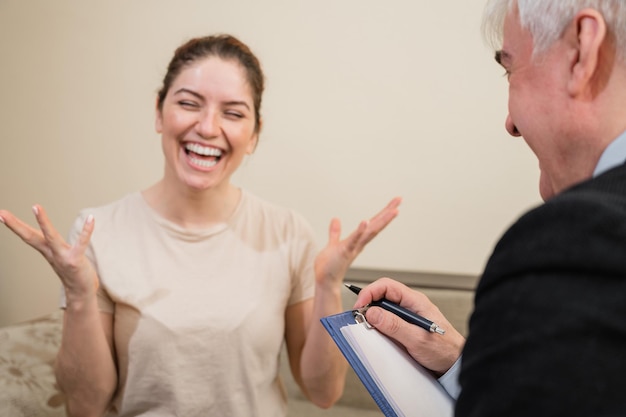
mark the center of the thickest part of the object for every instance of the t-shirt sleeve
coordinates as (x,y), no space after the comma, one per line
(303,253)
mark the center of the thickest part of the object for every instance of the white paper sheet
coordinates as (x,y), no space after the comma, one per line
(410,389)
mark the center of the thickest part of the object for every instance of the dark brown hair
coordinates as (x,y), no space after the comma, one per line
(226,47)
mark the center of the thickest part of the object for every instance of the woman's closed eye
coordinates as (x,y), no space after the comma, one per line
(234,114)
(188,104)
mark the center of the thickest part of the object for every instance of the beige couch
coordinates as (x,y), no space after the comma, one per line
(27,350)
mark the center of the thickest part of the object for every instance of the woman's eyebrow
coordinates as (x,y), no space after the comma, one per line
(188,91)
(237,103)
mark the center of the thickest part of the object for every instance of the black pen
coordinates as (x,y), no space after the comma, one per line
(403,313)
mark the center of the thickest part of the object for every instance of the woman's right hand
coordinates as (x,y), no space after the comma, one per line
(68,261)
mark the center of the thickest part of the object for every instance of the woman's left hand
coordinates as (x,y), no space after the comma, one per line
(332,263)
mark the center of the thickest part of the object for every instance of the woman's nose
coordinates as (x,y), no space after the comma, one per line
(510,127)
(208,124)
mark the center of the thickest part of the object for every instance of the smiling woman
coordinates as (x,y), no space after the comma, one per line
(144,341)
(207,111)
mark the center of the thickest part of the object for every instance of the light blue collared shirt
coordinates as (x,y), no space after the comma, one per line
(613,156)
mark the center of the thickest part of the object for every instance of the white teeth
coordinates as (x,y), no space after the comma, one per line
(203,163)
(203,150)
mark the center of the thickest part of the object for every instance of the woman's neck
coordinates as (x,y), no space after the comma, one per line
(192,208)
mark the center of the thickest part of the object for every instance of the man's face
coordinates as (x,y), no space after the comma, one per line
(536,101)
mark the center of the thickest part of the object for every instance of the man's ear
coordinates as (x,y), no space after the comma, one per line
(588,34)
(158,117)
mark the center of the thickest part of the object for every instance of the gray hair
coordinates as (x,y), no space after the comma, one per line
(546,20)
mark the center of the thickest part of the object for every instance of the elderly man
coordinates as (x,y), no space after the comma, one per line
(548,333)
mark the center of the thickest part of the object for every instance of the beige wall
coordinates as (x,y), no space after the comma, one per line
(365,100)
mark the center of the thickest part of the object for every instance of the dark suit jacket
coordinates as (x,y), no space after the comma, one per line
(548,333)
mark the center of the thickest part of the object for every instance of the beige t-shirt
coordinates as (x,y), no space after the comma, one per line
(199,314)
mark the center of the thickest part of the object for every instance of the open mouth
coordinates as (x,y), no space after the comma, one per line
(203,156)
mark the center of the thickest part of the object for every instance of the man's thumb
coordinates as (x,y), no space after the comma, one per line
(374,316)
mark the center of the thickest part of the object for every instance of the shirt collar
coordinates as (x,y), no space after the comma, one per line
(613,155)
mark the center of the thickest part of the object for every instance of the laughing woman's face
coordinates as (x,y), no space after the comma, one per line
(207,124)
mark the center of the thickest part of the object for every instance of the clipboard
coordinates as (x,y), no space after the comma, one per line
(397,383)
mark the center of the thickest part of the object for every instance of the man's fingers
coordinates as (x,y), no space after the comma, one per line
(386,322)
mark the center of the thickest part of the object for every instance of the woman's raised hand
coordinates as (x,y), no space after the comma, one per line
(68,261)
(333,261)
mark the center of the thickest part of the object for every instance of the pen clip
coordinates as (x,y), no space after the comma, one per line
(359,317)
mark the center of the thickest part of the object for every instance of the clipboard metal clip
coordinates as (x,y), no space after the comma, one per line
(359,317)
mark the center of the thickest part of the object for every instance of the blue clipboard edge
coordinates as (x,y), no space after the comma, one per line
(333,325)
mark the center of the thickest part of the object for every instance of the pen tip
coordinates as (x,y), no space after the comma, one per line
(353,288)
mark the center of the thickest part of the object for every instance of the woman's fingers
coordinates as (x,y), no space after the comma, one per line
(354,242)
(85,235)
(69,262)
(27,233)
(377,223)
(55,242)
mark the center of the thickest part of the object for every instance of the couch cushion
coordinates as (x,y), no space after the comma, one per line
(27,383)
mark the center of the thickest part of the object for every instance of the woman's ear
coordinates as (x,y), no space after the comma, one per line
(588,35)
(255,138)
